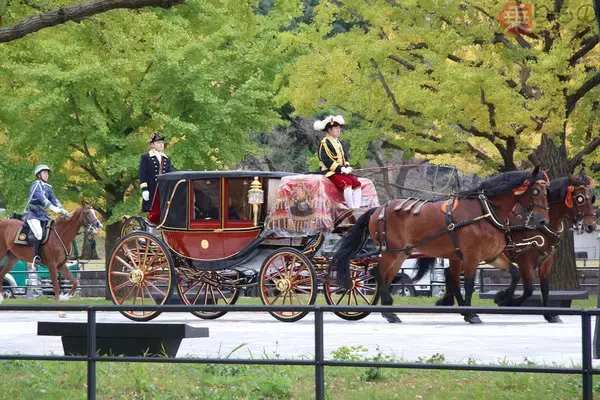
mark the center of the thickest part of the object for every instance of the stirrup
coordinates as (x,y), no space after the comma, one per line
(37,261)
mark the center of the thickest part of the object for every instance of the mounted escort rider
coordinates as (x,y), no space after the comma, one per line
(41,196)
(334,162)
(152,164)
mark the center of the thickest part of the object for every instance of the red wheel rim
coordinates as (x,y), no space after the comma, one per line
(140,274)
(287,280)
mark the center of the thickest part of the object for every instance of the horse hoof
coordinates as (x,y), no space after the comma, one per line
(553,319)
(392,319)
(1,298)
(64,297)
(444,302)
(473,319)
(500,298)
(62,315)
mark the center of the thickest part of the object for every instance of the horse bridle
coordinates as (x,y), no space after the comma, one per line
(579,200)
(90,224)
(537,189)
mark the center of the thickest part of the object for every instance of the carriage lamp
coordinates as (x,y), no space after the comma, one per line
(256,197)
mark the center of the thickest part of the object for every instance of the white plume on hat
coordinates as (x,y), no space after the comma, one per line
(330,119)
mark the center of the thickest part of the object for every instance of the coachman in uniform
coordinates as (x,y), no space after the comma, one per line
(152,164)
(334,162)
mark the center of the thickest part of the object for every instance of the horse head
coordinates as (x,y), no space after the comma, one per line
(532,197)
(579,200)
(89,218)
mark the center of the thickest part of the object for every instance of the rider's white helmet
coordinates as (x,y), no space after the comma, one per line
(40,168)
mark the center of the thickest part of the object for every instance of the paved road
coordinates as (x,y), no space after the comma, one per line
(500,338)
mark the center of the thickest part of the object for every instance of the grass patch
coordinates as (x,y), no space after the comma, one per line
(60,380)
(398,300)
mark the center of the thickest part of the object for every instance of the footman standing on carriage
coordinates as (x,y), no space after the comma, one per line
(334,162)
(41,196)
(152,164)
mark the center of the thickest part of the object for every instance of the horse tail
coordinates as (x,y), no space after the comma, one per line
(348,247)
(423,266)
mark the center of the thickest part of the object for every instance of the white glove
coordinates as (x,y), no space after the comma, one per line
(348,170)
(63,211)
(344,170)
(53,208)
(146,195)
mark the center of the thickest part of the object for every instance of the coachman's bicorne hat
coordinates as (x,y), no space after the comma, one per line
(330,120)
(156,138)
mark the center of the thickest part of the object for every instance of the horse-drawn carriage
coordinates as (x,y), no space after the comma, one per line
(227,231)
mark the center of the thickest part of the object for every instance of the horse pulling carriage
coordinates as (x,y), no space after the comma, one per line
(224,232)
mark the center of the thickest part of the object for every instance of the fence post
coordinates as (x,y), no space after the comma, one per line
(586,343)
(319,357)
(91,354)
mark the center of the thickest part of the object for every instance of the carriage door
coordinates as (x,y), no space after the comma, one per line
(205,207)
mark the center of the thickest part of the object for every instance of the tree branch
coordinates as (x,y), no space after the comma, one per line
(591,146)
(408,113)
(587,46)
(582,91)
(76,13)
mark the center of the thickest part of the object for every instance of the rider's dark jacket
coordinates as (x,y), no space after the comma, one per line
(41,196)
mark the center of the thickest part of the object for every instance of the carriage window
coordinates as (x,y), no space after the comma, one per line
(207,199)
(238,208)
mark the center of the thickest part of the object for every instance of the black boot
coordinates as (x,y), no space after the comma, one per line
(37,259)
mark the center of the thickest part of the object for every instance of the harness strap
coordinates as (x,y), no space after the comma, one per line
(450,226)
(67,252)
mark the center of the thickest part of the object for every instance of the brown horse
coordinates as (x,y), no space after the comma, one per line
(54,252)
(468,227)
(571,197)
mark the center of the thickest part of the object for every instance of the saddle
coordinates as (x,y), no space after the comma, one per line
(24,233)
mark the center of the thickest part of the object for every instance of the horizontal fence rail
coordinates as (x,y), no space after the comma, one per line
(319,362)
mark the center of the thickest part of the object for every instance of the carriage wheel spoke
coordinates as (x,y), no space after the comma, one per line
(137,292)
(341,298)
(149,295)
(192,286)
(155,287)
(297,298)
(126,295)
(223,296)
(305,291)
(130,255)
(125,263)
(364,297)
(122,285)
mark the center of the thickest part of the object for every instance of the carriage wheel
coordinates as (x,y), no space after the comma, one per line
(210,287)
(363,291)
(133,224)
(140,272)
(287,277)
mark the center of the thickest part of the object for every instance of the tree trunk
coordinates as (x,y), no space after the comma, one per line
(112,235)
(553,159)
(89,247)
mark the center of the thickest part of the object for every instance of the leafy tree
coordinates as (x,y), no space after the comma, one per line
(84,98)
(444,79)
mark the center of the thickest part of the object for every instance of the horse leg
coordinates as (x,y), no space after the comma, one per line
(53,272)
(545,289)
(11,260)
(527,275)
(450,282)
(386,271)
(64,269)
(504,297)
(470,272)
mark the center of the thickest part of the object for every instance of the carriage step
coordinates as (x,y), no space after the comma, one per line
(129,339)
(557,298)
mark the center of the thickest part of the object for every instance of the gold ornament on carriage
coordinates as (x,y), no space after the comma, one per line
(256,197)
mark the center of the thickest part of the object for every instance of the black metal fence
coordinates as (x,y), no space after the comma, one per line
(319,362)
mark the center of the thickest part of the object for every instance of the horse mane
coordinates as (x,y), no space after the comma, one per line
(500,184)
(74,214)
(558,187)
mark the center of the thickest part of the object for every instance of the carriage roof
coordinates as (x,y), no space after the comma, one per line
(193,175)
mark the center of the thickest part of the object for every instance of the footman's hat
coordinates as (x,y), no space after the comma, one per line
(331,120)
(156,138)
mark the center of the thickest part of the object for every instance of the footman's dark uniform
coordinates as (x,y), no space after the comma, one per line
(150,168)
